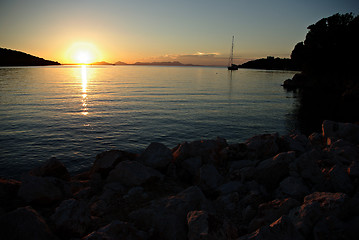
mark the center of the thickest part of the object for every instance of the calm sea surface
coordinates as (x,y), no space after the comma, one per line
(75,112)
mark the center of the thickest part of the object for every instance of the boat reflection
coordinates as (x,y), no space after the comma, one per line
(84,109)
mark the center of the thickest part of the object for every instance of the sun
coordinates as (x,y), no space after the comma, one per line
(83,57)
(82,53)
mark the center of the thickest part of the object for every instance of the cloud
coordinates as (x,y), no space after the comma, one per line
(197,58)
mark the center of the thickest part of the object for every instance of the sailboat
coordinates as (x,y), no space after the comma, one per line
(232,66)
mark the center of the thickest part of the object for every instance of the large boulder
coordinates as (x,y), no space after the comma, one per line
(293,187)
(340,180)
(208,150)
(133,173)
(192,165)
(168,216)
(263,146)
(24,223)
(117,230)
(230,187)
(209,178)
(271,171)
(52,168)
(106,161)
(316,206)
(72,217)
(271,211)
(297,142)
(283,228)
(346,131)
(197,225)
(156,155)
(353,169)
(8,194)
(306,167)
(43,190)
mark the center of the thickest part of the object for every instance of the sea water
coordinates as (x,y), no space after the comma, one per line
(75,112)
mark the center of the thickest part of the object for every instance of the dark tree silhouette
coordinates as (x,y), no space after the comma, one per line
(328,84)
(329,46)
(15,58)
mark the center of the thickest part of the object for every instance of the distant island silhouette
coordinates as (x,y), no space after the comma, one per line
(174,63)
(10,57)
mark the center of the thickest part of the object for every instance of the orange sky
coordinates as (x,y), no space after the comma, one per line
(197,32)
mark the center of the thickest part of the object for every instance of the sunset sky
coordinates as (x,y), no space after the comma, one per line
(189,31)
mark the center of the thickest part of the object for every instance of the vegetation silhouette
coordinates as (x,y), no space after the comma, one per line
(328,86)
(271,63)
(10,57)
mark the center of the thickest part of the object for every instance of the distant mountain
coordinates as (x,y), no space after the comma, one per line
(120,63)
(15,58)
(101,63)
(175,63)
(271,63)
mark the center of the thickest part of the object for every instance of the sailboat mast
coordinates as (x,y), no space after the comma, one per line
(232,66)
(231,56)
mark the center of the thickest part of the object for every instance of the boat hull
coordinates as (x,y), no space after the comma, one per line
(233,67)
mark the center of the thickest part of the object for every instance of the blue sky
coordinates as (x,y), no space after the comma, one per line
(197,31)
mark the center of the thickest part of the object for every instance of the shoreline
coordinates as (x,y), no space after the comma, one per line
(269,187)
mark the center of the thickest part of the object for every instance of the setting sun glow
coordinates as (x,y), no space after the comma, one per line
(83,57)
(83,53)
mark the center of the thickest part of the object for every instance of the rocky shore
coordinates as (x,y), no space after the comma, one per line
(270,187)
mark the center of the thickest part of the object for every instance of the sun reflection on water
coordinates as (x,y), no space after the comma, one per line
(84,109)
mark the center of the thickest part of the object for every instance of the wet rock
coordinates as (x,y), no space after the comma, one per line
(156,155)
(346,131)
(132,173)
(106,161)
(117,230)
(172,211)
(263,146)
(72,217)
(52,168)
(40,190)
(24,223)
(271,171)
(197,225)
